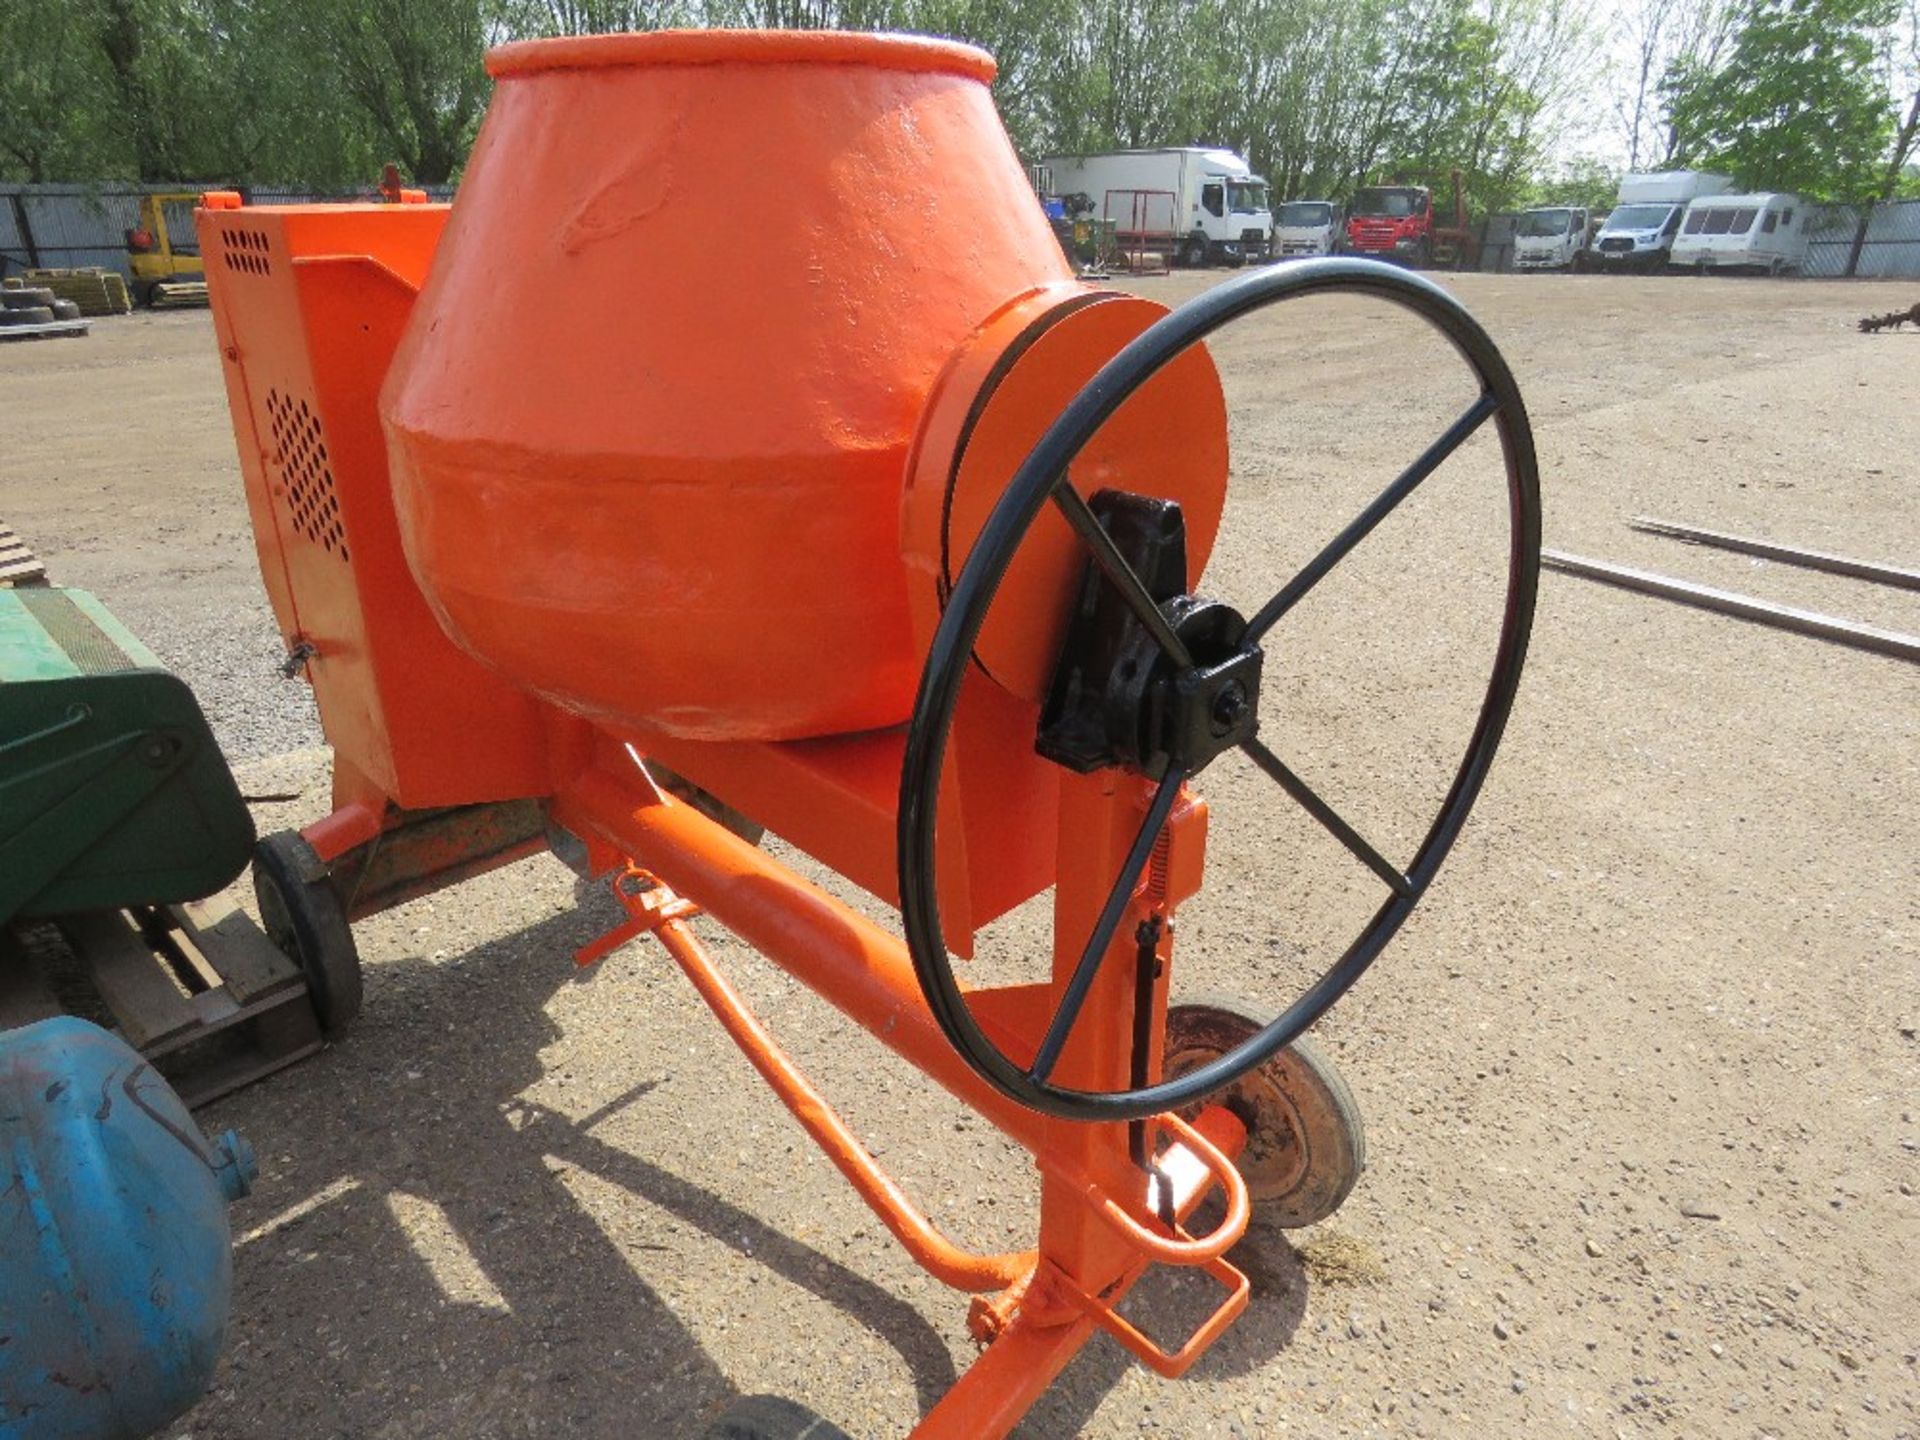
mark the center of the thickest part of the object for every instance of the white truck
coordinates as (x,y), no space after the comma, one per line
(1552,237)
(1639,233)
(1304,228)
(1767,233)
(1199,206)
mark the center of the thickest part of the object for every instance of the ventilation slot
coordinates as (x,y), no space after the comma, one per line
(301,454)
(245,250)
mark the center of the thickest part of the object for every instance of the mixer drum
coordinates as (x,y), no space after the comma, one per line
(650,419)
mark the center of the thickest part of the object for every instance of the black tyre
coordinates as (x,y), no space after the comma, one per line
(768,1417)
(28,297)
(66,309)
(26,315)
(302,914)
(1306,1145)
(1193,252)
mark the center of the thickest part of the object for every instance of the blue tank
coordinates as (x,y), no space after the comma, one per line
(116,1262)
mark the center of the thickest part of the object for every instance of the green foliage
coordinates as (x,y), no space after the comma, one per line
(1795,103)
(1588,183)
(55,94)
(1320,95)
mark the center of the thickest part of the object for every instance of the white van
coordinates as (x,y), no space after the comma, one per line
(1305,227)
(1553,237)
(1639,234)
(1743,232)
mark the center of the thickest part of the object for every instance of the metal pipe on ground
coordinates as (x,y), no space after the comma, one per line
(1872,570)
(1745,607)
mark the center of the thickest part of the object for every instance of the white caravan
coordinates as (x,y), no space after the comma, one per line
(1744,232)
(1197,205)
(1553,237)
(1639,233)
(1305,227)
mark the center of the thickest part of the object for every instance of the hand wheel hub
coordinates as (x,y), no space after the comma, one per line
(1118,697)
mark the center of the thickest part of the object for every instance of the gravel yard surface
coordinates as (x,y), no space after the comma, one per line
(1641,1076)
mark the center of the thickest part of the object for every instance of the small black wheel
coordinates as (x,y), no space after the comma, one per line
(66,310)
(1306,1145)
(24,315)
(768,1417)
(302,914)
(1193,253)
(29,297)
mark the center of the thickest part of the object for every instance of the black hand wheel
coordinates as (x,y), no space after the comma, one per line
(1041,479)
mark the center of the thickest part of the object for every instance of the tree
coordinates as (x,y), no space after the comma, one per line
(54,93)
(1661,36)
(414,67)
(1796,104)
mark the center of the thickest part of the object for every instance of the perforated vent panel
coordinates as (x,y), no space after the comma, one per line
(301,453)
(245,250)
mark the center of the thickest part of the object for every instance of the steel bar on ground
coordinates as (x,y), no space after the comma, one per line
(1745,607)
(1785,554)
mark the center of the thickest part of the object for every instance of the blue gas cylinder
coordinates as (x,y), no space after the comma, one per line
(116,1262)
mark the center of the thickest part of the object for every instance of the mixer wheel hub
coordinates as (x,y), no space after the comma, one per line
(1306,1146)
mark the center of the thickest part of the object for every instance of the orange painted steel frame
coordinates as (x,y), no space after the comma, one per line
(309,307)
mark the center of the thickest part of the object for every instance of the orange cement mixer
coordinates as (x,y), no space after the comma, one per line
(597,527)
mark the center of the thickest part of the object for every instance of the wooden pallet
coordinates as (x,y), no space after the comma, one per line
(18,564)
(198,989)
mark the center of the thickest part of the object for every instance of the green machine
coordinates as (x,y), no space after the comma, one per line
(113,792)
(118,819)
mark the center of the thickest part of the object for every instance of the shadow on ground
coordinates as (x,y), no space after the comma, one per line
(418,1263)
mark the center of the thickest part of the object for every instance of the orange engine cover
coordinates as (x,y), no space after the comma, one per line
(649,423)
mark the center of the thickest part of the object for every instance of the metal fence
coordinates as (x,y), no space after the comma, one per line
(1496,242)
(80,225)
(1892,249)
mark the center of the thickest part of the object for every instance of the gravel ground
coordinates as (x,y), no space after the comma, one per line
(1641,1076)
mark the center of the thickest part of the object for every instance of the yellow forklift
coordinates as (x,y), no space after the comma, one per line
(164,253)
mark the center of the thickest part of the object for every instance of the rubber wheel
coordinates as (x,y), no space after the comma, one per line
(1306,1146)
(66,309)
(768,1417)
(1193,254)
(26,315)
(303,916)
(28,297)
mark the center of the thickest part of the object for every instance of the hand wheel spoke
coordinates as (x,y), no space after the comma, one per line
(1364,523)
(1328,817)
(1119,573)
(1081,980)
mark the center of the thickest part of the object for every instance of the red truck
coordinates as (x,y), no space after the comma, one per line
(1392,222)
